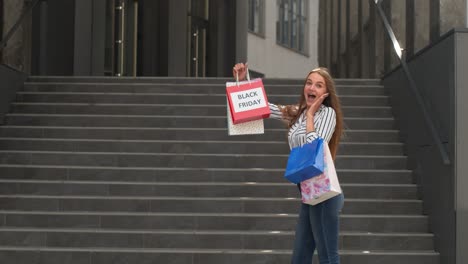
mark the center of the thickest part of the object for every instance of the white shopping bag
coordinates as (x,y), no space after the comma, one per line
(247,128)
(323,187)
(247,100)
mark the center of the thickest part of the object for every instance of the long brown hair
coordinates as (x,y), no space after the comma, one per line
(293,112)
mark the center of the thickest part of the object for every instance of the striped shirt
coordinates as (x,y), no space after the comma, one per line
(324,123)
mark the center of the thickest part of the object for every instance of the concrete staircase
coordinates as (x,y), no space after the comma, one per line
(105,170)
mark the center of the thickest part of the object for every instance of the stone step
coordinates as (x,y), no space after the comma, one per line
(164,109)
(282,240)
(183,80)
(196,221)
(165,174)
(28,255)
(154,133)
(178,98)
(191,160)
(215,88)
(110,170)
(168,121)
(161,204)
(180,146)
(197,189)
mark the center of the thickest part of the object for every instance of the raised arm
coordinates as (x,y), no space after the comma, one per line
(275,112)
(280,112)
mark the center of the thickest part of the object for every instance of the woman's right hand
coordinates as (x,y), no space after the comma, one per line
(312,109)
(241,70)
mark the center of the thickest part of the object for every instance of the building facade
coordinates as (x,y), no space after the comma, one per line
(353,42)
(191,38)
(282,37)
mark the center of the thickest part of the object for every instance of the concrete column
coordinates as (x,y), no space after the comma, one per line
(337,44)
(434,20)
(322,32)
(242,21)
(334,29)
(398,17)
(421,24)
(360,40)
(60,36)
(226,36)
(379,46)
(153,61)
(99,38)
(387,45)
(43,33)
(89,38)
(354,39)
(1,22)
(177,42)
(365,39)
(83,37)
(328,28)
(348,39)
(14,50)
(221,64)
(342,40)
(461,148)
(353,10)
(410,17)
(372,39)
(452,15)
(27,43)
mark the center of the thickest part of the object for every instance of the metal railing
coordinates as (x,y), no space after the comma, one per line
(15,27)
(412,84)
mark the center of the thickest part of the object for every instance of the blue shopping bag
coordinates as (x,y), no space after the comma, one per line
(305,162)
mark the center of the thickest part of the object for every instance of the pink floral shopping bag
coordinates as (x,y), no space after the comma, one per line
(324,186)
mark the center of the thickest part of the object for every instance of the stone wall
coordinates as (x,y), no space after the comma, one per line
(13,53)
(452,15)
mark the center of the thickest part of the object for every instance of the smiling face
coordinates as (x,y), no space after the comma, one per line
(315,87)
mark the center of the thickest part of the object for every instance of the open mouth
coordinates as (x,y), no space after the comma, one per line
(311,96)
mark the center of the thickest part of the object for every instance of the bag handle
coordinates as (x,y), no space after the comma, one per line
(237,77)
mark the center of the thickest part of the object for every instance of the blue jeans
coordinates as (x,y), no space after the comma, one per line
(318,227)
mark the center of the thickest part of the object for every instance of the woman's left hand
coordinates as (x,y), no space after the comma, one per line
(315,105)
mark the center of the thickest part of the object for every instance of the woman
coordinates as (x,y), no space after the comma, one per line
(317,115)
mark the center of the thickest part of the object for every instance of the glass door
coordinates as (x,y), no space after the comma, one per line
(198,28)
(121,37)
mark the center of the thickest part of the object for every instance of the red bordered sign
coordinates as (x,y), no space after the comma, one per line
(247,101)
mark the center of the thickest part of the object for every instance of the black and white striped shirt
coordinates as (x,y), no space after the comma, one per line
(324,123)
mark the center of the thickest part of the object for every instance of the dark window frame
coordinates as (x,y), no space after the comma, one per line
(292,28)
(256,17)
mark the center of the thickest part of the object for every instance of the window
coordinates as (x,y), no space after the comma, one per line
(291,27)
(256,16)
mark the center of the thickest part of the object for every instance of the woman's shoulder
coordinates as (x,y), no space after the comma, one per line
(327,109)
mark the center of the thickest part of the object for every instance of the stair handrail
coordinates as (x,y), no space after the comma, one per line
(412,84)
(15,27)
